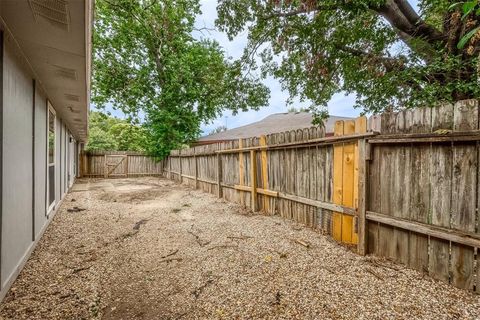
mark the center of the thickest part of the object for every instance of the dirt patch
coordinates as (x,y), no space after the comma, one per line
(135,196)
(168,252)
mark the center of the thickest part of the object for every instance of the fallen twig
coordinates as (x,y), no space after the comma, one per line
(196,293)
(139,223)
(328,269)
(76,209)
(76,270)
(239,237)
(223,246)
(170,260)
(199,241)
(378,264)
(303,243)
(374,273)
(170,254)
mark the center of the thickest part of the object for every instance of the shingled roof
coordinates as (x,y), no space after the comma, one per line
(278,122)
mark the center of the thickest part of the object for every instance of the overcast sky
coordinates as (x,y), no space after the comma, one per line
(339,105)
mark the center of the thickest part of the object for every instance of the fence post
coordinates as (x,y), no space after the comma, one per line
(180,159)
(170,166)
(196,169)
(219,175)
(126,165)
(253,178)
(241,169)
(105,168)
(263,142)
(362,196)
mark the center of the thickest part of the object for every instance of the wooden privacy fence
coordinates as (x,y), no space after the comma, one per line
(111,164)
(402,185)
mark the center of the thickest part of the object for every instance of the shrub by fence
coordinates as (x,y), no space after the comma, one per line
(110,164)
(402,185)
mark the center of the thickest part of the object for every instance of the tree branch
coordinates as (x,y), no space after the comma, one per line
(303,10)
(401,16)
(408,11)
(389,63)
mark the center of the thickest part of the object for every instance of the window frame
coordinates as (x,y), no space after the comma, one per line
(50,110)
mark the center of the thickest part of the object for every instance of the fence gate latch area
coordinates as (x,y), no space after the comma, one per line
(115,165)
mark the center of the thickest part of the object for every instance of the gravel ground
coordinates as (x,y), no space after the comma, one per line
(151,249)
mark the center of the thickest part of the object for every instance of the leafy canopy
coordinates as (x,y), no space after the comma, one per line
(380,50)
(109,133)
(218,130)
(148,64)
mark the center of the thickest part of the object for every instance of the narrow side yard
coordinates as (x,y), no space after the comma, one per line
(152,249)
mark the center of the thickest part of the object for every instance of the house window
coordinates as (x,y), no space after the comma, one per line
(51,137)
(51,158)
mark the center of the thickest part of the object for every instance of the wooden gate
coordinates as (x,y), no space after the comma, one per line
(119,164)
(116,165)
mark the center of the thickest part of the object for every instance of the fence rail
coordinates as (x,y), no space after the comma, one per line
(402,185)
(111,164)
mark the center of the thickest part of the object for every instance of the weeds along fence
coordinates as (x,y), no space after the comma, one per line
(400,185)
(111,164)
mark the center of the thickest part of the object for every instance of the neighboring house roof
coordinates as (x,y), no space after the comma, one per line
(278,122)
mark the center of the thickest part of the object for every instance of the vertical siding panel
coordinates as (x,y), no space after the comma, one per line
(17,170)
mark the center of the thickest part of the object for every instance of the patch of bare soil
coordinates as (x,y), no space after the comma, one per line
(151,249)
(135,196)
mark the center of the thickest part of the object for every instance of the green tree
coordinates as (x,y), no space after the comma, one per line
(218,130)
(295,110)
(148,64)
(99,140)
(130,137)
(110,133)
(381,50)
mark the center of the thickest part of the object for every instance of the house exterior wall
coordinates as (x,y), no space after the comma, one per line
(17,166)
(24,214)
(40,160)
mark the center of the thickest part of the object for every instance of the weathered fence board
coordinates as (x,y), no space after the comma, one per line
(406,190)
(109,164)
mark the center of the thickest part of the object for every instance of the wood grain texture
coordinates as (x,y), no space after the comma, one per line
(264,171)
(421,180)
(464,195)
(374,201)
(419,206)
(401,189)
(348,182)
(337,182)
(253,180)
(419,121)
(361,194)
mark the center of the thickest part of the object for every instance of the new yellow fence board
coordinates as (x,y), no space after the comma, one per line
(337,182)
(348,181)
